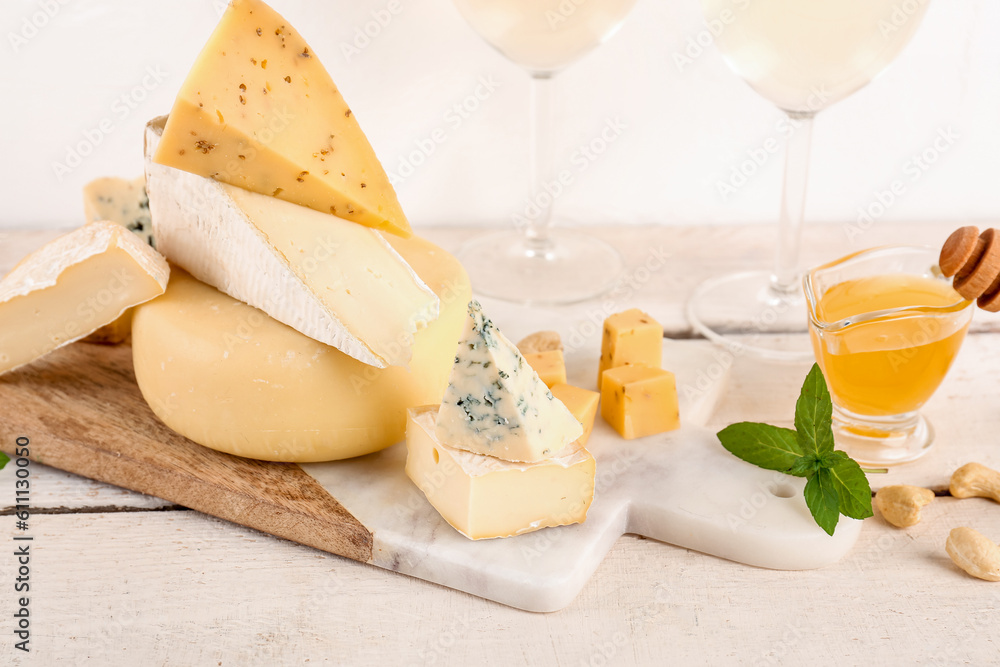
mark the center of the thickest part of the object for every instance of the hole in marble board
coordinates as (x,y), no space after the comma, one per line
(437,457)
(780,490)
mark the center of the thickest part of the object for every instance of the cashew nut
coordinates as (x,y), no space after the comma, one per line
(540,341)
(975,553)
(900,505)
(974,480)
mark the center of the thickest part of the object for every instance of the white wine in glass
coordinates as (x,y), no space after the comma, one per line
(802,55)
(534,263)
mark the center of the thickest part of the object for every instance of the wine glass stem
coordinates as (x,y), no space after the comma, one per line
(785,278)
(536,229)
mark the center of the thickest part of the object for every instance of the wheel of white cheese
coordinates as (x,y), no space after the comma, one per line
(229,377)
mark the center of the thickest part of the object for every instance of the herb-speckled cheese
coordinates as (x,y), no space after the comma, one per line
(496,404)
(259,111)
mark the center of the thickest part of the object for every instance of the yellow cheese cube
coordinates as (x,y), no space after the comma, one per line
(549,365)
(638,401)
(483,496)
(582,403)
(630,337)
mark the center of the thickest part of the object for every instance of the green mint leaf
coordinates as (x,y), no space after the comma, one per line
(765,446)
(822,500)
(4,460)
(835,484)
(805,466)
(814,415)
(854,494)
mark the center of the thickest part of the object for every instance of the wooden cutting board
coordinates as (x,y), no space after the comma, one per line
(83,413)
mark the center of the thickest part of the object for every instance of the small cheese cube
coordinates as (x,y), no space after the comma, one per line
(630,337)
(638,401)
(582,403)
(549,365)
(483,496)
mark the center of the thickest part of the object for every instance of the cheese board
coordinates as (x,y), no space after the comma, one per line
(291,325)
(82,411)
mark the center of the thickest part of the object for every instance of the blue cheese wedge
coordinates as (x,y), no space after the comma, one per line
(496,404)
(121,201)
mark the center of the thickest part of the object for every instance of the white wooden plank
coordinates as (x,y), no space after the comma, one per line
(55,490)
(179,588)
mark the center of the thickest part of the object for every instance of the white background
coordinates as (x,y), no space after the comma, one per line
(687,128)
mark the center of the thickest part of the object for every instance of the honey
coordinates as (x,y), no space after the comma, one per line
(885,342)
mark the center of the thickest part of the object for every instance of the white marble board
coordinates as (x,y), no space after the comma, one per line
(681,488)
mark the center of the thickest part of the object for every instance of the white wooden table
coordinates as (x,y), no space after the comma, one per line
(118,578)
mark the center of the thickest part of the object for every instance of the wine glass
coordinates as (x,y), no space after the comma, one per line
(803,55)
(533,263)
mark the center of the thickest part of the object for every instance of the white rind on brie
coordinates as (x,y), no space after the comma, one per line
(42,268)
(73,286)
(333,280)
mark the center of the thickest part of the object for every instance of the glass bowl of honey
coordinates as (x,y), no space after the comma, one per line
(886,326)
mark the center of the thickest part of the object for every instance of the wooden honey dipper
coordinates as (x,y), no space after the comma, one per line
(974,260)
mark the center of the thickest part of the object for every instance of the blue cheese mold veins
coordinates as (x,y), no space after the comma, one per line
(495,402)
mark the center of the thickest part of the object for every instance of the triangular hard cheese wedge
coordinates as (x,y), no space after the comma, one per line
(260,112)
(496,404)
(74,285)
(332,280)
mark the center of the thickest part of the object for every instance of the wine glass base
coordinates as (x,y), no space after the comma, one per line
(882,444)
(742,312)
(569,267)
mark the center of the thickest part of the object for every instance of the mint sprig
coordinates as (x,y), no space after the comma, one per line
(835,483)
